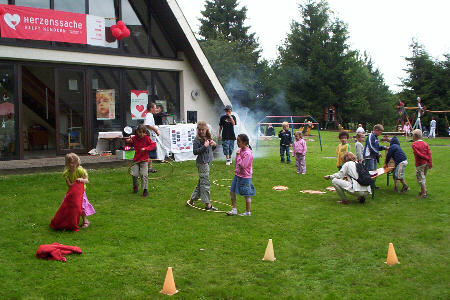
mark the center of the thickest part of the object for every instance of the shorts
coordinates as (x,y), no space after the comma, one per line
(400,170)
(242,186)
(228,147)
(153,154)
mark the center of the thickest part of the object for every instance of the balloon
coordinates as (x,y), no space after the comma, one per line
(121,24)
(125,32)
(117,33)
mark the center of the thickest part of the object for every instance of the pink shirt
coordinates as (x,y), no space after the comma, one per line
(299,147)
(243,163)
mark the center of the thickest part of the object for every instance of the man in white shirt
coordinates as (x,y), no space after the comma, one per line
(149,122)
(432,128)
(360,129)
(349,185)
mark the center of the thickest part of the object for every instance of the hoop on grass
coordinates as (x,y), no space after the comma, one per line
(222,185)
(161,161)
(216,211)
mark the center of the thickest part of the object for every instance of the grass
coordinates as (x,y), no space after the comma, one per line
(323,249)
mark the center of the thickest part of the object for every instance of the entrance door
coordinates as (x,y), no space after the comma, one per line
(38,111)
(71,111)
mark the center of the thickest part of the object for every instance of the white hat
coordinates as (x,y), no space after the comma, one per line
(418,98)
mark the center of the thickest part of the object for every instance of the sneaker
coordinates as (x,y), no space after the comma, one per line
(424,195)
(145,193)
(405,188)
(228,162)
(212,208)
(362,199)
(246,214)
(191,202)
(232,212)
(298,172)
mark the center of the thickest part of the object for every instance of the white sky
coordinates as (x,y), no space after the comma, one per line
(383,28)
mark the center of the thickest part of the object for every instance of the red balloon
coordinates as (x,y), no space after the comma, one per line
(113,26)
(121,24)
(117,33)
(125,32)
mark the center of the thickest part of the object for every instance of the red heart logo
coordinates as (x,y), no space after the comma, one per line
(14,22)
(140,108)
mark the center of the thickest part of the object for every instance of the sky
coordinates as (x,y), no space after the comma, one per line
(382,28)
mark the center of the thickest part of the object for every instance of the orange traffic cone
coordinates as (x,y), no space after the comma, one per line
(169,284)
(391,256)
(269,255)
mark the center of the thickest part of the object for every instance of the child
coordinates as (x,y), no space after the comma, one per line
(372,148)
(285,142)
(75,172)
(423,159)
(342,148)
(401,162)
(142,144)
(242,181)
(203,147)
(407,129)
(359,147)
(299,151)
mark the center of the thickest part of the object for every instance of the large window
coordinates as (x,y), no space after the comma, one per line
(136,16)
(75,6)
(105,88)
(34,3)
(108,10)
(8,115)
(135,80)
(166,89)
(161,46)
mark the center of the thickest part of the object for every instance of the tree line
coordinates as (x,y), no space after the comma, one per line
(315,68)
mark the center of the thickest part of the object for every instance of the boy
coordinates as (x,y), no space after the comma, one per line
(372,148)
(423,159)
(401,162)
(226,133)
(359,147)
(285,142)
(342,148)
(432,128)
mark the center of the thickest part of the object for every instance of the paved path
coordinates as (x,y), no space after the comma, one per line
(57,164)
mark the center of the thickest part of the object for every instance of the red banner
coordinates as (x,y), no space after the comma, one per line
(48,25)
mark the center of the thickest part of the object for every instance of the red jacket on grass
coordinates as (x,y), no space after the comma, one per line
(422,154)
(68,215)
(56,251)
(139,143)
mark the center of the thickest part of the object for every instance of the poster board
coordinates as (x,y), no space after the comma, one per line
(138,104)
(106,104)
(182,138)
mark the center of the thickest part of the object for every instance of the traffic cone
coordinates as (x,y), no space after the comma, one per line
(391,256)
(169,284)
(269,255)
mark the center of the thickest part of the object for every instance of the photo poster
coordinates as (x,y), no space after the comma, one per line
(138,104)
(182,138)
(106,104)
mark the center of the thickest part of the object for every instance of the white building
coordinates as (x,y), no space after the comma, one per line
(49,89)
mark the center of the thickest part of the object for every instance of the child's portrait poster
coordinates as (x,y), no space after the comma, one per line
(106,104)
(138,108)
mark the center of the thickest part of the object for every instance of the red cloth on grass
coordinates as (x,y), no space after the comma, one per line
(56,251)
(68,215)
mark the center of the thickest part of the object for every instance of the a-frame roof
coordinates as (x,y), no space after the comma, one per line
(172,19)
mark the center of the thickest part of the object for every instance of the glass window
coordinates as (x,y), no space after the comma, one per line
(3,1)
(75,6)
(135,80)
(34,3)
(136,17)
(105,87)
(8,144)
(166,89)
(107,9)
(161,45)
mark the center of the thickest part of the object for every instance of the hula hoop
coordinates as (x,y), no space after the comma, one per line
(222,185)
(215,211)
(160,160)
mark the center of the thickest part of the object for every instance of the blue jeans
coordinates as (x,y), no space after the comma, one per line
(228,147)
(283,149)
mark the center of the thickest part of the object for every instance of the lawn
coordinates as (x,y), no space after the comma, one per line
(323,249)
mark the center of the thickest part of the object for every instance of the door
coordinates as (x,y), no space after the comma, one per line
(71,111)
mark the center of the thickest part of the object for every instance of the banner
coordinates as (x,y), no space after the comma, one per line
(139,101)
(106,104)
(31,23)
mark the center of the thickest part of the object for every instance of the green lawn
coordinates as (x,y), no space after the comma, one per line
(323,249)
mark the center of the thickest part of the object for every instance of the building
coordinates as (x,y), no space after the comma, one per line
(50,89)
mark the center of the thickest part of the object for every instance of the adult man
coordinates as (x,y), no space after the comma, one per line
(420,111)
(349,185)
(372,148)
(432,128)
(154,132)
(360,129)
(226,133)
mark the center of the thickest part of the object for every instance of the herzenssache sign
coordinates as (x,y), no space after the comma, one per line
(30,23)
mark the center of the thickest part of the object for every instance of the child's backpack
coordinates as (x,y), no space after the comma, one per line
(363,175)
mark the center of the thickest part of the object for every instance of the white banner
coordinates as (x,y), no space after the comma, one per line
(95,30)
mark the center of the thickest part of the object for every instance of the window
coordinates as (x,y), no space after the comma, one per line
(135,80)
(136,16)
(166,88)
(8,144)
(161,45)
(107,9)
(75,6)
(34,3)
(105,82)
